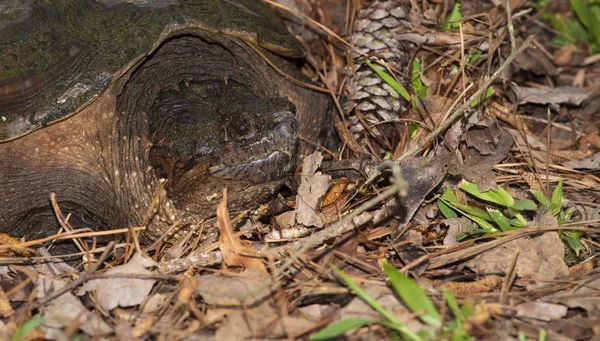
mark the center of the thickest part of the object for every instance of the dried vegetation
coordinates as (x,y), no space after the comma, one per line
(482,184)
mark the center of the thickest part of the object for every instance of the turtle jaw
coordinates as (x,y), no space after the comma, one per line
(269,159)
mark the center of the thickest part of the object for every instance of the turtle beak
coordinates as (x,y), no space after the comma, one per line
(269,159)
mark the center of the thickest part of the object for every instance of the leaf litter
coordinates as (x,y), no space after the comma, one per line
(273,280)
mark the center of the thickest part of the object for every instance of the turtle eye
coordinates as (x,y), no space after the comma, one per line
(242,129)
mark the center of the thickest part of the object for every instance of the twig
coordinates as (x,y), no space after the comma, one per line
(340,227)
(69,235)
(511,27)
(74,284)
(443,126)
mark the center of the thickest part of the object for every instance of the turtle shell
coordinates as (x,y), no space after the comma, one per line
(56,56)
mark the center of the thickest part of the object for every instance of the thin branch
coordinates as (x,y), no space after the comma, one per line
(442,127)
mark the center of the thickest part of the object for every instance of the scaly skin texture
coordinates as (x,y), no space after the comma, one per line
(117,159)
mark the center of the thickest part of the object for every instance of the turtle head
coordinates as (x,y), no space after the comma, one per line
(213,135)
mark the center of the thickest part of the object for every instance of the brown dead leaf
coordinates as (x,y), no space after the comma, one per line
(235,253)
(66,311)
(456,226)
(313,187)
(189,284)
(488,146)
(335,192)
(232,291)
(558,95)
(591,162)
(541,310)
(123,292)
(6,239)
(247,308)
(540,258)
(580,296)
(422,175)
(5,307)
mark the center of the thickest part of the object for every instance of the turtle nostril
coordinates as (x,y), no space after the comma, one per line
(285,125)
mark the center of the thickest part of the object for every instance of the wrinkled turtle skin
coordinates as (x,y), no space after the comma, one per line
(140,112)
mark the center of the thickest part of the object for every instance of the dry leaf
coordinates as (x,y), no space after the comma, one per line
(235,253)
(313,187)
(541,311)
(558,95)
(123,292)
(540,258)
(67,310)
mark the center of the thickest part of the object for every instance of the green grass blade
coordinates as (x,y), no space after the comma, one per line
(414,296)
(539,196)
(375,305)
(489,92)
(338,328)
(415,76)
(452,21)
(557,194)
(454,308)
(27,327)
(389,80)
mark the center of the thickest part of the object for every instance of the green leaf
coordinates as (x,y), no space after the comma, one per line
(582,11)
(500,220)
(519,221)
(454,308)
(480,217)
(576,32)
(500,197)
(397,325)
(389,80)
(412,129)
(595,24)
(573,239)
(539,196)
(555,208)
(449,196)
(542,335)
(338,328)
(557,194)
(489,92)
(524,205)
(27,327)
(414,296)
(415,76)
(472,211)
(474,57)
(453,19)
(446,210)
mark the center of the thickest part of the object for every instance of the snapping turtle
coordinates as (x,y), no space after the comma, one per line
(139,112)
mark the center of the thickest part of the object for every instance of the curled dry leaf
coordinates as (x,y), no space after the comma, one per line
(235,253)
